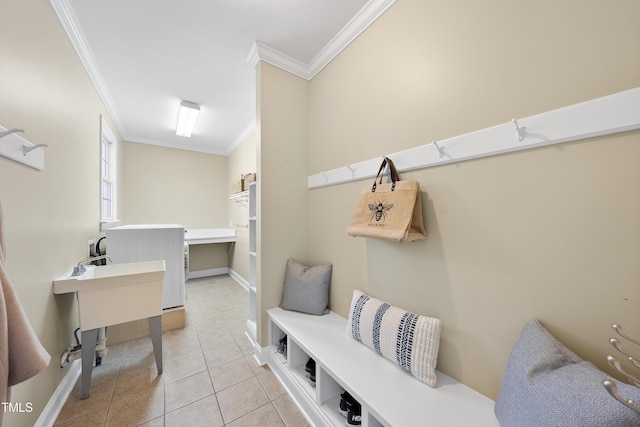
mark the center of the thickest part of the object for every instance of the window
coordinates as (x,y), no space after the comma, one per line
(108,174)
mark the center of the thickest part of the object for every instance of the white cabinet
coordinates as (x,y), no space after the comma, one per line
(150,242)
(253,264)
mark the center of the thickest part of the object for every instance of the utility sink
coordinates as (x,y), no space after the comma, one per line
(115,293)
(112,294)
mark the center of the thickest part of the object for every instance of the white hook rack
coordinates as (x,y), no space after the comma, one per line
(16,148)
(353,172)
(10,131)
(26,148)
(440,149)
(608,115)
(519,130)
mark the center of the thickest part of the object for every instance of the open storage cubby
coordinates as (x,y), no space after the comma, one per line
(297,359)
(329,395)
(275,335)
(294,362)
(388,395)
(324,397)
(329,392)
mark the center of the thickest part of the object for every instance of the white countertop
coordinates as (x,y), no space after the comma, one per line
(202,236)
(146,227)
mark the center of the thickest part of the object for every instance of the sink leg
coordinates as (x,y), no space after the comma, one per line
(89,340)
(155,326)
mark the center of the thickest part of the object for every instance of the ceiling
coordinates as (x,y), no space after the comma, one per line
(146,56)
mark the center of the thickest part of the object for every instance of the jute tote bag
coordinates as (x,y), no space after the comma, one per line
(390,211)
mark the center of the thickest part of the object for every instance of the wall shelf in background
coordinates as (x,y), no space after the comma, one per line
(242,194)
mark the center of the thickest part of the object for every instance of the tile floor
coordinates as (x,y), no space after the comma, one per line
(210,376)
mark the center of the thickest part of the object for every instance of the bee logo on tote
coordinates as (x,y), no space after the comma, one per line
(379,211)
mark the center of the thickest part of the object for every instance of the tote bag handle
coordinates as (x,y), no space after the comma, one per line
(392,172)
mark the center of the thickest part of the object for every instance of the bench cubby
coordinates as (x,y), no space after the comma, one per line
(388,395)
(293,362)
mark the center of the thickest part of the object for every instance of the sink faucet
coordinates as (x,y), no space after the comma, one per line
(80,268)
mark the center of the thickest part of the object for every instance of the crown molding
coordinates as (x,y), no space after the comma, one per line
(259,52)
(68,20)
(177,146)
(367,16)
(262,52)
(242,137)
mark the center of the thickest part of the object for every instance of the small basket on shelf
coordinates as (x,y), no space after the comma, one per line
(237,186)
(248,179)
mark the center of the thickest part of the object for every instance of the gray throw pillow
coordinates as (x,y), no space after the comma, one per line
(546,384)
(306,289)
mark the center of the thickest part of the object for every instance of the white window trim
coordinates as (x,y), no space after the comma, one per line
(108,176)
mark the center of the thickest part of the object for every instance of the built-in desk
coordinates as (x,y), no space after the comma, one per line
(206,236)
(203,236)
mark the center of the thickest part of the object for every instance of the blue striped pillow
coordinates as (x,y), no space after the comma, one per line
(410,340)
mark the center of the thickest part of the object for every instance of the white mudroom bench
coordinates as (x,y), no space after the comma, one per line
(389,396)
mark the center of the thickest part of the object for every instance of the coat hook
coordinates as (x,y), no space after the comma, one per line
(618,329)
(616,365)
(27,148)
(613,391)
(519,130)
(616,344)
(353,172)
(9,132)
(440,149)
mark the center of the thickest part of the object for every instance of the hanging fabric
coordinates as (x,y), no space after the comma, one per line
(21,354)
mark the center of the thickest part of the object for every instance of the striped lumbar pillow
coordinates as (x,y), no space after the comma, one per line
(408,339)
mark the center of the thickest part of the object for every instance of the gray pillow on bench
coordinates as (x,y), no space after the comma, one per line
(546,384)
(306,289)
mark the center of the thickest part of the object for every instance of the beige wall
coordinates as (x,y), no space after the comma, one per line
(174,187)
(550,233)
(49,215)
(177,187)
(241,161)
(283,198)
(207,257)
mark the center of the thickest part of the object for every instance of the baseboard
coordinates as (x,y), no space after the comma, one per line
(259,354)
(59,397)
(238,278)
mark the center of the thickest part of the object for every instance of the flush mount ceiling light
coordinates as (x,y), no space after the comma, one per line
(187,118)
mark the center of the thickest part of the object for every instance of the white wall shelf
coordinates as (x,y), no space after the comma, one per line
(608,115)
(251,326)
(15,147)
(242,194)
